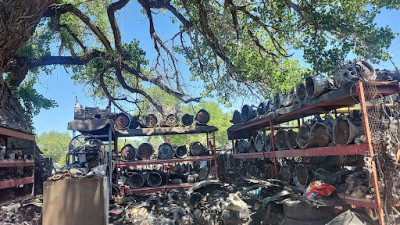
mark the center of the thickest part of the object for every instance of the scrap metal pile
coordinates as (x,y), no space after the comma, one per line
(348,174)
(160,175)
(123,121)
(154,176)
(317,132)
(211,202)
(26,213)
(86,157)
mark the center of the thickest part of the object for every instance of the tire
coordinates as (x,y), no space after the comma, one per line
(303,211)
(291,221)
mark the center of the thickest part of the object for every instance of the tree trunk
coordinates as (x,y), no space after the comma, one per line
(18,20)
(11,112)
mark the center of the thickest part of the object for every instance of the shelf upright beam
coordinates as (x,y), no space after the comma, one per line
(110,161)
(378,199)
(116,153)
(265,144)
(233,152)
(214,148)
(271,124)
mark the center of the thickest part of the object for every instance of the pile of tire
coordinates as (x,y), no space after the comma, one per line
(300,212)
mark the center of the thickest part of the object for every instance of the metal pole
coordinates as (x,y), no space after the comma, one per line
(215,155)
(378,199)
(233,152)
(265,141)
(116,152)
(271,125)
(110,160)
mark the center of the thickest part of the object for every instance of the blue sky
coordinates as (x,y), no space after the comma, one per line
(134,24)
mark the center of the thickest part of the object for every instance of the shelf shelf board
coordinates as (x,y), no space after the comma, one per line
(166,131)
(165,161)
(359,202)
(15,163)
(161,188)
(350,200)
(322,151)
(8,132)
(16,182)
(253,155)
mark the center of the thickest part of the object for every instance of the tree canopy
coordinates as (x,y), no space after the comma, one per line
(233,47)
(54,145)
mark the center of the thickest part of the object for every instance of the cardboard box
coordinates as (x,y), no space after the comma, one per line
(75,202)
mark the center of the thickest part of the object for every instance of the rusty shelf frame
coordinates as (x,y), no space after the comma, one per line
(166,131)
(16,163)
(354,97)
(7,133)
(16,182)
(368,203)
(210,136)
(165,161)
(361,149)
(160,188)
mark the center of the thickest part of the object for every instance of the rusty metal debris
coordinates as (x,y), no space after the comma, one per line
(197,149)
(150,120)
(236,117)
(247,113)
(187,120)
(85,151)
(300,92)
(281,140)
(28,212)
(181,151)
(128,152)
(208,202)
(145,151)
(279,100)
(346,130)
(166,151)
(202,117)
(317,85)
(171,120)
(122,121)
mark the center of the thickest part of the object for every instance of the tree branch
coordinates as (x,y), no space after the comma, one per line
(114,25)
(19,66)
(123,83)
(106,92)
(74,36)
(64,8)
(158,83)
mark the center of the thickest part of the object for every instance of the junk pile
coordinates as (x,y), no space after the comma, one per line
(27,213)
(156,176)
(165,151)
(123,121)
(317,132)
(244,202)
(86,158)
(208,202)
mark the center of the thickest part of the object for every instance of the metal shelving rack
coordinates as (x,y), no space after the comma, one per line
(208,130)
(263,123)
(6,133)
